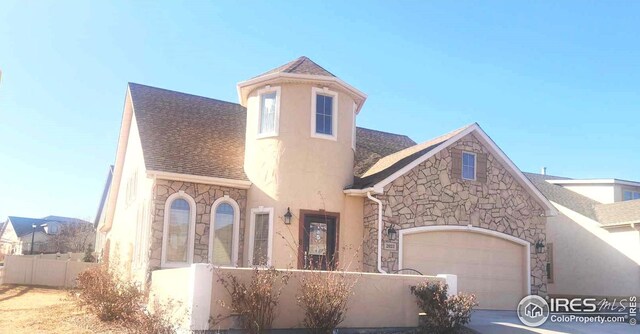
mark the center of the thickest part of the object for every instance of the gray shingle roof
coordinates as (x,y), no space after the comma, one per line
(606,214)
(302,65)
(567,198)
(619,212)
(23,225)
(372,145)
(189,134)
(393,162)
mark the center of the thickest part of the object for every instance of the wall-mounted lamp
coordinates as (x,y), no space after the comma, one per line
(539,246)
(392,233)
(287,217)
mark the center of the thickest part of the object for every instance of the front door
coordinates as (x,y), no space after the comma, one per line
(319,239)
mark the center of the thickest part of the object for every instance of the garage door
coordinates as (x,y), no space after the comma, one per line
(490,267)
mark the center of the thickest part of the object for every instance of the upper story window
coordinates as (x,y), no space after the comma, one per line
(629,195)
(179,228)
(468,166)
(269,111)
(324,107)
(224,236)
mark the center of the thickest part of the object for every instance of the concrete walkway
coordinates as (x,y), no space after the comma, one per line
(507,322)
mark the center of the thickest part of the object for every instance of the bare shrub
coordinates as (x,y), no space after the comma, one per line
(256,302)
(324,297)
(443,314)
(103,291)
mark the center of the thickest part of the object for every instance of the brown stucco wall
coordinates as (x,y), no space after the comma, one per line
(428,195)
(204,196)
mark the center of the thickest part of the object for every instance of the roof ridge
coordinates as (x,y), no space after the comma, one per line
(296,63)
(386,132)
(183,93)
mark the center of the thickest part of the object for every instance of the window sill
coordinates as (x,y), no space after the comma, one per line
(266,135)
(323,136)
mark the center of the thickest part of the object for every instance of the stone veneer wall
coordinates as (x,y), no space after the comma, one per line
(204,196)
(428,195)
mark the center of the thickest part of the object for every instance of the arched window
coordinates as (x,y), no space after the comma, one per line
(179,229)
(224,232)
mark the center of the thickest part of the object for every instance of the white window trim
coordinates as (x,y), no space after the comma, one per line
(334,116)
(192,230)
(353,127)
(236,228)
(475,166)
(252,227)
(276,126)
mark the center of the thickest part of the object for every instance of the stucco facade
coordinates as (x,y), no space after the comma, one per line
(429,195)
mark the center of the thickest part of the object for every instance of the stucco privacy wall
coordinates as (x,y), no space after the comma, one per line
(378,300)
(204,196)
(428,195)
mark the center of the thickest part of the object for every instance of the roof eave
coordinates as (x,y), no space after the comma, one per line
(245,88)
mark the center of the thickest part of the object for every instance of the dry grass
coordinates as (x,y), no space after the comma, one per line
(30,309)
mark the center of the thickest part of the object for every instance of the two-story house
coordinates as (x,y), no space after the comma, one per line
(285,178)
(594,243)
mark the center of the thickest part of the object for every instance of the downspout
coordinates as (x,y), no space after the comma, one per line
(379,231)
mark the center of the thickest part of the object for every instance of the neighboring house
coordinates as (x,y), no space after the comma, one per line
(17,234)
(101,237)
(594,243)
(285,178)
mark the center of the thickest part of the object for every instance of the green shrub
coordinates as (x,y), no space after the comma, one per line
(443,314)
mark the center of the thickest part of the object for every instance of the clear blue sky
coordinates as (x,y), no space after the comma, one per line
(554,83)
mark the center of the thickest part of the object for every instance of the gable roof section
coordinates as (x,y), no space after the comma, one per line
(189,134)
(372,145)
(606,214)
(103,198)
(567,198)
(302,65)
(390,168)
(23,225)
(619,212)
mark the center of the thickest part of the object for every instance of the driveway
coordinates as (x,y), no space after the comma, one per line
(507,322)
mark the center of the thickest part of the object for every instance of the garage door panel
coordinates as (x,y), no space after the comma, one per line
(490,267)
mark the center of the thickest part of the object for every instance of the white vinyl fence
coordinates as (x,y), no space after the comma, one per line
(33,270)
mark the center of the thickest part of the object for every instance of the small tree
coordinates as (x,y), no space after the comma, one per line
(88,254)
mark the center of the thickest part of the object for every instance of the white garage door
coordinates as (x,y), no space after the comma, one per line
(490,267)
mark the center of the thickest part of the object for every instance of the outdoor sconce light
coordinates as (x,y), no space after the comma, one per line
(287,217)
(539,246)
(392,233)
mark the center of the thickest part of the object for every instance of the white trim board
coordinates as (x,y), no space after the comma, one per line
(458,228)
(232,183)
(244,88)
(595,181)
